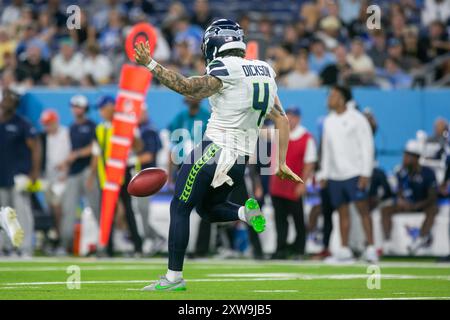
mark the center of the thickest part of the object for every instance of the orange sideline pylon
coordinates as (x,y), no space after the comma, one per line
(133,85)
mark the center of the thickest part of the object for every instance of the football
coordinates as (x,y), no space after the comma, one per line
(147,182)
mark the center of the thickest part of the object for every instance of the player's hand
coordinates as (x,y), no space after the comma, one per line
(323,184)
(142,53)
(284,172)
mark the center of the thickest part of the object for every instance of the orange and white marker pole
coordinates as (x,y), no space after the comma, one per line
(133,85)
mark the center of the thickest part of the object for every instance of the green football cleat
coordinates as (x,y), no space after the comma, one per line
(165,285)
(254,215)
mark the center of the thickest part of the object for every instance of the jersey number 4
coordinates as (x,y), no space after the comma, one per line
(260,103)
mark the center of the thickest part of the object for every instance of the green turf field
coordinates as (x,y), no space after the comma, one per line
(214,279)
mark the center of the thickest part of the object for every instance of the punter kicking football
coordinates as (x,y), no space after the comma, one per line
(242,93)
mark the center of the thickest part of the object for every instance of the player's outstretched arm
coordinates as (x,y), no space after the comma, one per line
(279,118)
(196,87)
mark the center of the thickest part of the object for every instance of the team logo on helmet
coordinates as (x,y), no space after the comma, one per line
(222,35)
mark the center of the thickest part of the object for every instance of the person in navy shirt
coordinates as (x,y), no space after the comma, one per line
(417,192)
(19,156)
(82,135)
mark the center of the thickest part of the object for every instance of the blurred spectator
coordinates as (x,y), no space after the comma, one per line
(358,27)
(57,14)
(378,50)
(67,65)
(192,34)
(29,37)
(287,196)
(361,64)
(435,10)
(202,15)
(175,12)
(397,24)
(265,38)
(338,72)
(394,77)
(411,45)
(100,17)
(162,50)
(349,10)
(20,164)
(82,135)
(417,192)
(7,46)
(283,62)
(96,65)
(291,38)
(310,13)
(85,33)
(137,8)
(346,166)
(55,149)
(110,38)
(303,35)
(329,31)
(379,189)
(435,43)
(184,58)
(34,70)
(436,149)
(301,77)
(395,51)
(319,58)
(11,13)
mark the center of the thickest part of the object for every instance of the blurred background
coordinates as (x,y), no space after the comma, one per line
(398,73)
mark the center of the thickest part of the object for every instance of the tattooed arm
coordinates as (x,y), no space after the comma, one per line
(198,87)
(278,116)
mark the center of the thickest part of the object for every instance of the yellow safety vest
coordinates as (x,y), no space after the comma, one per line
(104,133)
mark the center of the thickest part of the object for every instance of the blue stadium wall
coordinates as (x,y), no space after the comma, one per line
(399,113)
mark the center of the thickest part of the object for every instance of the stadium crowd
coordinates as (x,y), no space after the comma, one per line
(319,43)
(308,42)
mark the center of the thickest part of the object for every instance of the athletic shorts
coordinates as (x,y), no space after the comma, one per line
(345,191)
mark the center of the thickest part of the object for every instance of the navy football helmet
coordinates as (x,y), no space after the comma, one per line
(222,35)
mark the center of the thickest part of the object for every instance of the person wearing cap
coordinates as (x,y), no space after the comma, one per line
(82,135)
(346,167)
(55,141)
(20,160)
(287,196)
(417,192)
(101,150)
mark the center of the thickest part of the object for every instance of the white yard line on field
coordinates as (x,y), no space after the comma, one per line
(246,278)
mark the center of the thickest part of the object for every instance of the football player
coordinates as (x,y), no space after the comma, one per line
(242,93)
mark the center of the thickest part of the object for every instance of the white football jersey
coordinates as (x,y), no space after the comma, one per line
(238,110)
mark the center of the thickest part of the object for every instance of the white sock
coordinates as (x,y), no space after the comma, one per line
(241,214)
(174,276)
